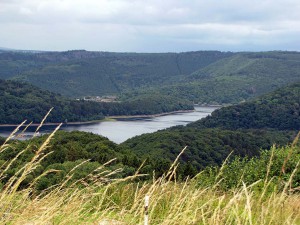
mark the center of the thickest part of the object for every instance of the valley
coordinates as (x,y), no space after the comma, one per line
(251,137)
(159,84)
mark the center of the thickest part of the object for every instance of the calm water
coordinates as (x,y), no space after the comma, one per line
(121,130)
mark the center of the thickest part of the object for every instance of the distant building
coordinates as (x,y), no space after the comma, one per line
(108,98)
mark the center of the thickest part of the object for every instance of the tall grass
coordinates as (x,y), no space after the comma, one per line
(105,200)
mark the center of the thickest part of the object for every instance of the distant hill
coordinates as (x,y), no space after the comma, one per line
(20,101)
(2,50)
(5,49)
(240,77)
(211,77)
(83,73)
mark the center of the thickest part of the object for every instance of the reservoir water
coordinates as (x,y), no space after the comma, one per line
(120,130)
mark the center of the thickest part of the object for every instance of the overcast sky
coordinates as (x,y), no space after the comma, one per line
(150,25)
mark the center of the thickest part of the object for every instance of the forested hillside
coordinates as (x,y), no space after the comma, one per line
(82,73)
(21,101)
(202,77)
(278,110)
(67,150)
(206,147)
(238,78)
(243,129)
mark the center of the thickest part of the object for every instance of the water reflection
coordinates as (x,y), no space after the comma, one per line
(121,130)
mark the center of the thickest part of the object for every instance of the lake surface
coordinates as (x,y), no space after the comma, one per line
(121,130)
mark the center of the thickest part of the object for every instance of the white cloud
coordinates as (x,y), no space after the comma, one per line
(150,25)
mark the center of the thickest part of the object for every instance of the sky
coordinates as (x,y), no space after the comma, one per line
(150,25)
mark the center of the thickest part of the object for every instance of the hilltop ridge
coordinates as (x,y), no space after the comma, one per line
(211,77)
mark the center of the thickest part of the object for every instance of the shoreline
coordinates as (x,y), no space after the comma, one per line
(107,118)
(52,124)
(150,115)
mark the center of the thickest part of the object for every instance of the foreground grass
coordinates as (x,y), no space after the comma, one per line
(170,203)
(104,200)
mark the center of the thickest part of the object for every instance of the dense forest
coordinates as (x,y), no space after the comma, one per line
(206,147)
(201,77)
(278,110)
(235,79)
(20,101)
(83,73)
